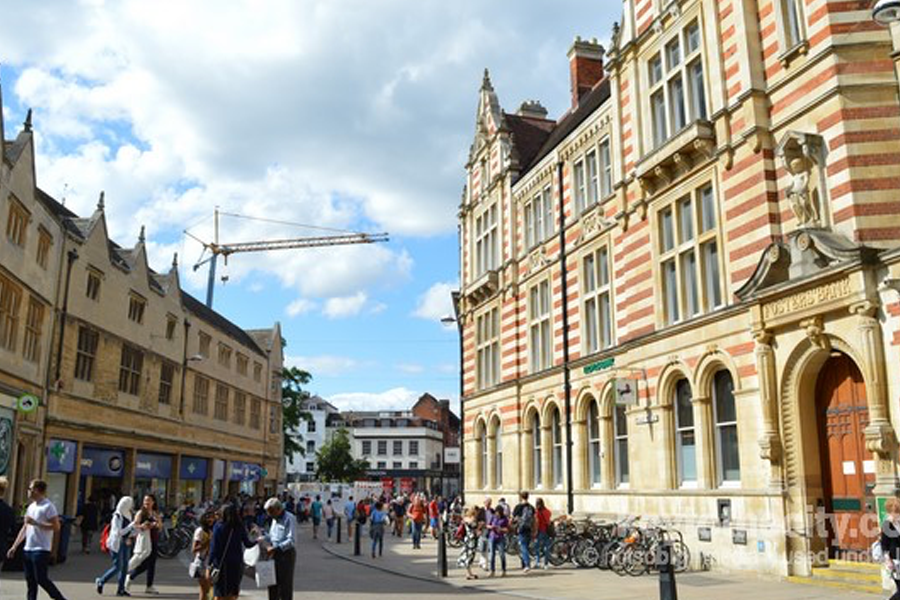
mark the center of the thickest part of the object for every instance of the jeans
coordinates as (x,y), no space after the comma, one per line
(119,566)
(524,542)
(543,549)
(148,566)
(36,575)
(498,546)
(417,534)
(330,524)
(377,538)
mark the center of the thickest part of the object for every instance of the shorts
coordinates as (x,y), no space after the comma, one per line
(317,521)
(434,523)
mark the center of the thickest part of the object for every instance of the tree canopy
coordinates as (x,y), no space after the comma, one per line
(292,398)
(335,460)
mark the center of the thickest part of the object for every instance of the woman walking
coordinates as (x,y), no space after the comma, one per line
(200,549)
(470,542)
(226,553)
(147,522)
(542,520)
(376,528)
(416,514)
(499,527)
(328,512)
(119,543)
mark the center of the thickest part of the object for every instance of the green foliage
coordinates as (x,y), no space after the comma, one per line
(292,398)
(335,461)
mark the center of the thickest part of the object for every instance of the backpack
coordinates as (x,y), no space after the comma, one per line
(104,539)
(526,519)
(551,530)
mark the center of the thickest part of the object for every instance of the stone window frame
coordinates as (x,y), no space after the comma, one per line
(17,219)
(10,302)
(171,324)
(717,427)
(240,407)
(414,447)
(487,348)
(34,324)
(223,353)
(166,382)
(201,395)
(256,413)
(381,448)
(791,48)
(495,433)
(366,447)
(397,448)
(45,242)
(93,284)
(483,457)
(86,353)
(682,431)
(257,372)
(242,361)
(220,405)
(131,368)
(137,306)
(595,295)
(622,476)
(557,445)
(540,205)
(204,344)
(486,251)
(594,446)
(540,326)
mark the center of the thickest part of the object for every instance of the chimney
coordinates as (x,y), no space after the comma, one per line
(585,67)
(532,109)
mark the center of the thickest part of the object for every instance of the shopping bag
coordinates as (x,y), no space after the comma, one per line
(251,555)
(265,573)
(142,548)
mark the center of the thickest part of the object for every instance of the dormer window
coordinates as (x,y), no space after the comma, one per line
(171,323)
(136,306)
(45,240)
(92,291)
(17,223)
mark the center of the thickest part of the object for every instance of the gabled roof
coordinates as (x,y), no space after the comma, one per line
(263,337)
(528,135)
(193,305)
(13,150)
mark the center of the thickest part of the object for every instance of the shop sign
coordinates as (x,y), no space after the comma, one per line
(626,392)
(27,403)
(387,484)
(193,469)
(153,466)
(102,462)
(600,365)
(407,484)
(451,456)
(61,456)
(241,471)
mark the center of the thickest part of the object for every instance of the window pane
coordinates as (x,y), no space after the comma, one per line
(579,187)
(538,220)
(605,170)
(529,227)
(655,70)
(670,291)
(687,453)
(595,463)
(684,409)
(592,183)
(590,325)
(621,422)
(673,54)
(730,457)
(724,398)
(698,91)
(546,352)
(707,209)
(549,225)
(622,460)
(676,97)
(590,277)
(666,230)
(594,421)
(658,109)
(793,19)
(603,259)
(711,275)
(692,37)
(685,221)
(605,321)
(689,276)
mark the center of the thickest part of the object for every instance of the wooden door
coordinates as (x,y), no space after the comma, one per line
(848,469)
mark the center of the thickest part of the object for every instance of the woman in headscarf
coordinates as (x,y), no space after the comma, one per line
(119,544)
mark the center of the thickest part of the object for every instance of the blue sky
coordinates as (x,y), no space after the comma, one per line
(348,114)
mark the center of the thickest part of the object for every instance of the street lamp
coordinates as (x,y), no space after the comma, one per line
(449,320)
(886,12)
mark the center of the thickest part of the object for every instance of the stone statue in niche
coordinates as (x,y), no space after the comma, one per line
(803,156)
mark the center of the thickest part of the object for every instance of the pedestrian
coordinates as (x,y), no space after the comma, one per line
(349,512)
(499,527)
(89,522)
(7,519)
(282,549)
(434,514)
(470,542)
(119,543)
(41,536)
(376,527)
(328,513)
(416,514)
(200,549)
(399,517)
(544,525)
(226,553)
(890,542)
(148,521)
(315,511)
(485,514)
(524,516)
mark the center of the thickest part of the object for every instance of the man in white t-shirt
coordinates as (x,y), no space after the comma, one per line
(39,533)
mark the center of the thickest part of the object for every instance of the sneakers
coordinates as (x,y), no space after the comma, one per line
(526,570)
(99,585)
(128,583)
(546,566)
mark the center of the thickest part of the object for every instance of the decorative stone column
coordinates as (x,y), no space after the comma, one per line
(580,476)
(547,455)
(608,449)
(881,439)
(526,459)
(770,441)
(491,461)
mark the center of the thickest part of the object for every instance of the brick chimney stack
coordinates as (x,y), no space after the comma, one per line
(585,67)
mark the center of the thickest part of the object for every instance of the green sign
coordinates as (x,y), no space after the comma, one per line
(264,472)
(28,403)
(601,365)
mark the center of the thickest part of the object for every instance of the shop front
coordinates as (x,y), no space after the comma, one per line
(152,473)
(61,455)
(102,473)
(242,477)
(192,475)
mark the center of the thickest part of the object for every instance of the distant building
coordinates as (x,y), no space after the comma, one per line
(314,433)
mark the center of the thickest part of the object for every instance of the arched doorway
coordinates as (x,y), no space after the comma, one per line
(848,469)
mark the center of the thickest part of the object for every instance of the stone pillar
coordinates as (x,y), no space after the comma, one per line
(880,437)
(71,506)
(547,456)
(580,465)
(526,459)
(128,471)
(770,440)
(608,447)
(174,492)
(704,429)
(491,466)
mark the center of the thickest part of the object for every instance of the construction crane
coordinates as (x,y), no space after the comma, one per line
(216,249)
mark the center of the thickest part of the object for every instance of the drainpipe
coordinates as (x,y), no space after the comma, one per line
(184,367)
(72,256)
(567,372)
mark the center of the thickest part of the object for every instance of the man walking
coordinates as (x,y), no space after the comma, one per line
(41,536)
(524,514)
(349,512)
(282,549)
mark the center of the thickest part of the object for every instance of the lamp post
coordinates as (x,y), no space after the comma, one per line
(886,12)
(462,407)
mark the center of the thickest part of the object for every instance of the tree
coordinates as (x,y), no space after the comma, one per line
(335,461)
(292,398)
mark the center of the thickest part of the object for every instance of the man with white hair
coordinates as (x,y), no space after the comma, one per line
(281,549)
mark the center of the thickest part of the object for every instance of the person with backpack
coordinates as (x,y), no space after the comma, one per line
(544,532)
(117,538)
(315,511)
(41,536)
(524,516)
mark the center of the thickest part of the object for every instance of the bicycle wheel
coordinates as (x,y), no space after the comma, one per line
(604,552)
(166,546)
(559,552)
(578,552)
(512,545)
(635,561)
(681,557)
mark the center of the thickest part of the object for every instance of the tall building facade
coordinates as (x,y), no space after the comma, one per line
(680,299)
(314,432)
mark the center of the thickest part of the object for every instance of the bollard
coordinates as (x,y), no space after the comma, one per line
(442,554)
(339,524)
(667,589)
(357,534)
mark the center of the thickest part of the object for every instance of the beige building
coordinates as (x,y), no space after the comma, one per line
(141,388)
(722,350)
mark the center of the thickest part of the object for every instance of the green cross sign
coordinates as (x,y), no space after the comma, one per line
(58,450)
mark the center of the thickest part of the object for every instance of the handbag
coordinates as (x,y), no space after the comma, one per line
(195,569)
(216,572)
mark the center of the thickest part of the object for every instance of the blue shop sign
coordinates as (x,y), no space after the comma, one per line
(193,469)
(241,471)
(153,466)
(102,462)
(61,456)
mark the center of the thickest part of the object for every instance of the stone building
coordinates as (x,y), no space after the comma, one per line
(680,299)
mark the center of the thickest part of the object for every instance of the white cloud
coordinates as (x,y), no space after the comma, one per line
(347,306)
(394,399)
(436,303)
(300,306)
(448,368)
(325,365)
(410,368)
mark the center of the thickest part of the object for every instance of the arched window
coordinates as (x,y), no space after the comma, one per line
(728,463)
(498,453)
(594,459)
(536,450)
(482,441)
(620,432)
(685,438)
(557,449)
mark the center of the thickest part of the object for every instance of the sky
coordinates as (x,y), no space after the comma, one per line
(343,114)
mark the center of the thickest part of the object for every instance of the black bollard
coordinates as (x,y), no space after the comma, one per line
(442,554)
(357,535)
(338,530)
(667,589)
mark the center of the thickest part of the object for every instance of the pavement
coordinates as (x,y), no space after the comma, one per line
(328,570)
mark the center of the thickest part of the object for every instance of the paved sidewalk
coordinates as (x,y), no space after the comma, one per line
(566,583)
